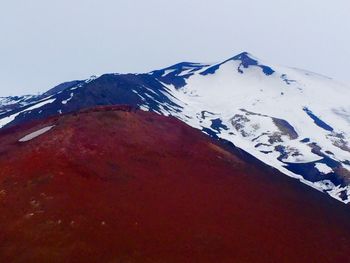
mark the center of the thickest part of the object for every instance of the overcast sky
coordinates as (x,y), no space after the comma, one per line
(45,42)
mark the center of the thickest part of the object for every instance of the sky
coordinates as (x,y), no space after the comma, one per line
(47,42)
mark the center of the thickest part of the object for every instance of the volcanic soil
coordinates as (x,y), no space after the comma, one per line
(113,184)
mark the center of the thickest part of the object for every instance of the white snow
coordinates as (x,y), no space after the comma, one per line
(226,92)
(167,71)
(67,100)
(6,101)
(144,108)
(35,134)
(323,168)
(8,119)
(92,78)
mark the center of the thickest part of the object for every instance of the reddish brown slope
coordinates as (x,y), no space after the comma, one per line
(119,186)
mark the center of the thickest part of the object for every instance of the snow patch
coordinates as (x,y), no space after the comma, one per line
(67,100)
(323,168)
(35,134)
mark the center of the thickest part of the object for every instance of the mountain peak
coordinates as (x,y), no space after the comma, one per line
(247,60)
(243,55)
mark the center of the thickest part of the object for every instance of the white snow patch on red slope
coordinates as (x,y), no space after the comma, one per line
(35,134)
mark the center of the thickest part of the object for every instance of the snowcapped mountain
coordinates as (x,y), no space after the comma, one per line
(294,120)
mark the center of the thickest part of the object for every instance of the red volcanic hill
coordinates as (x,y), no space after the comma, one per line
(117,185)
